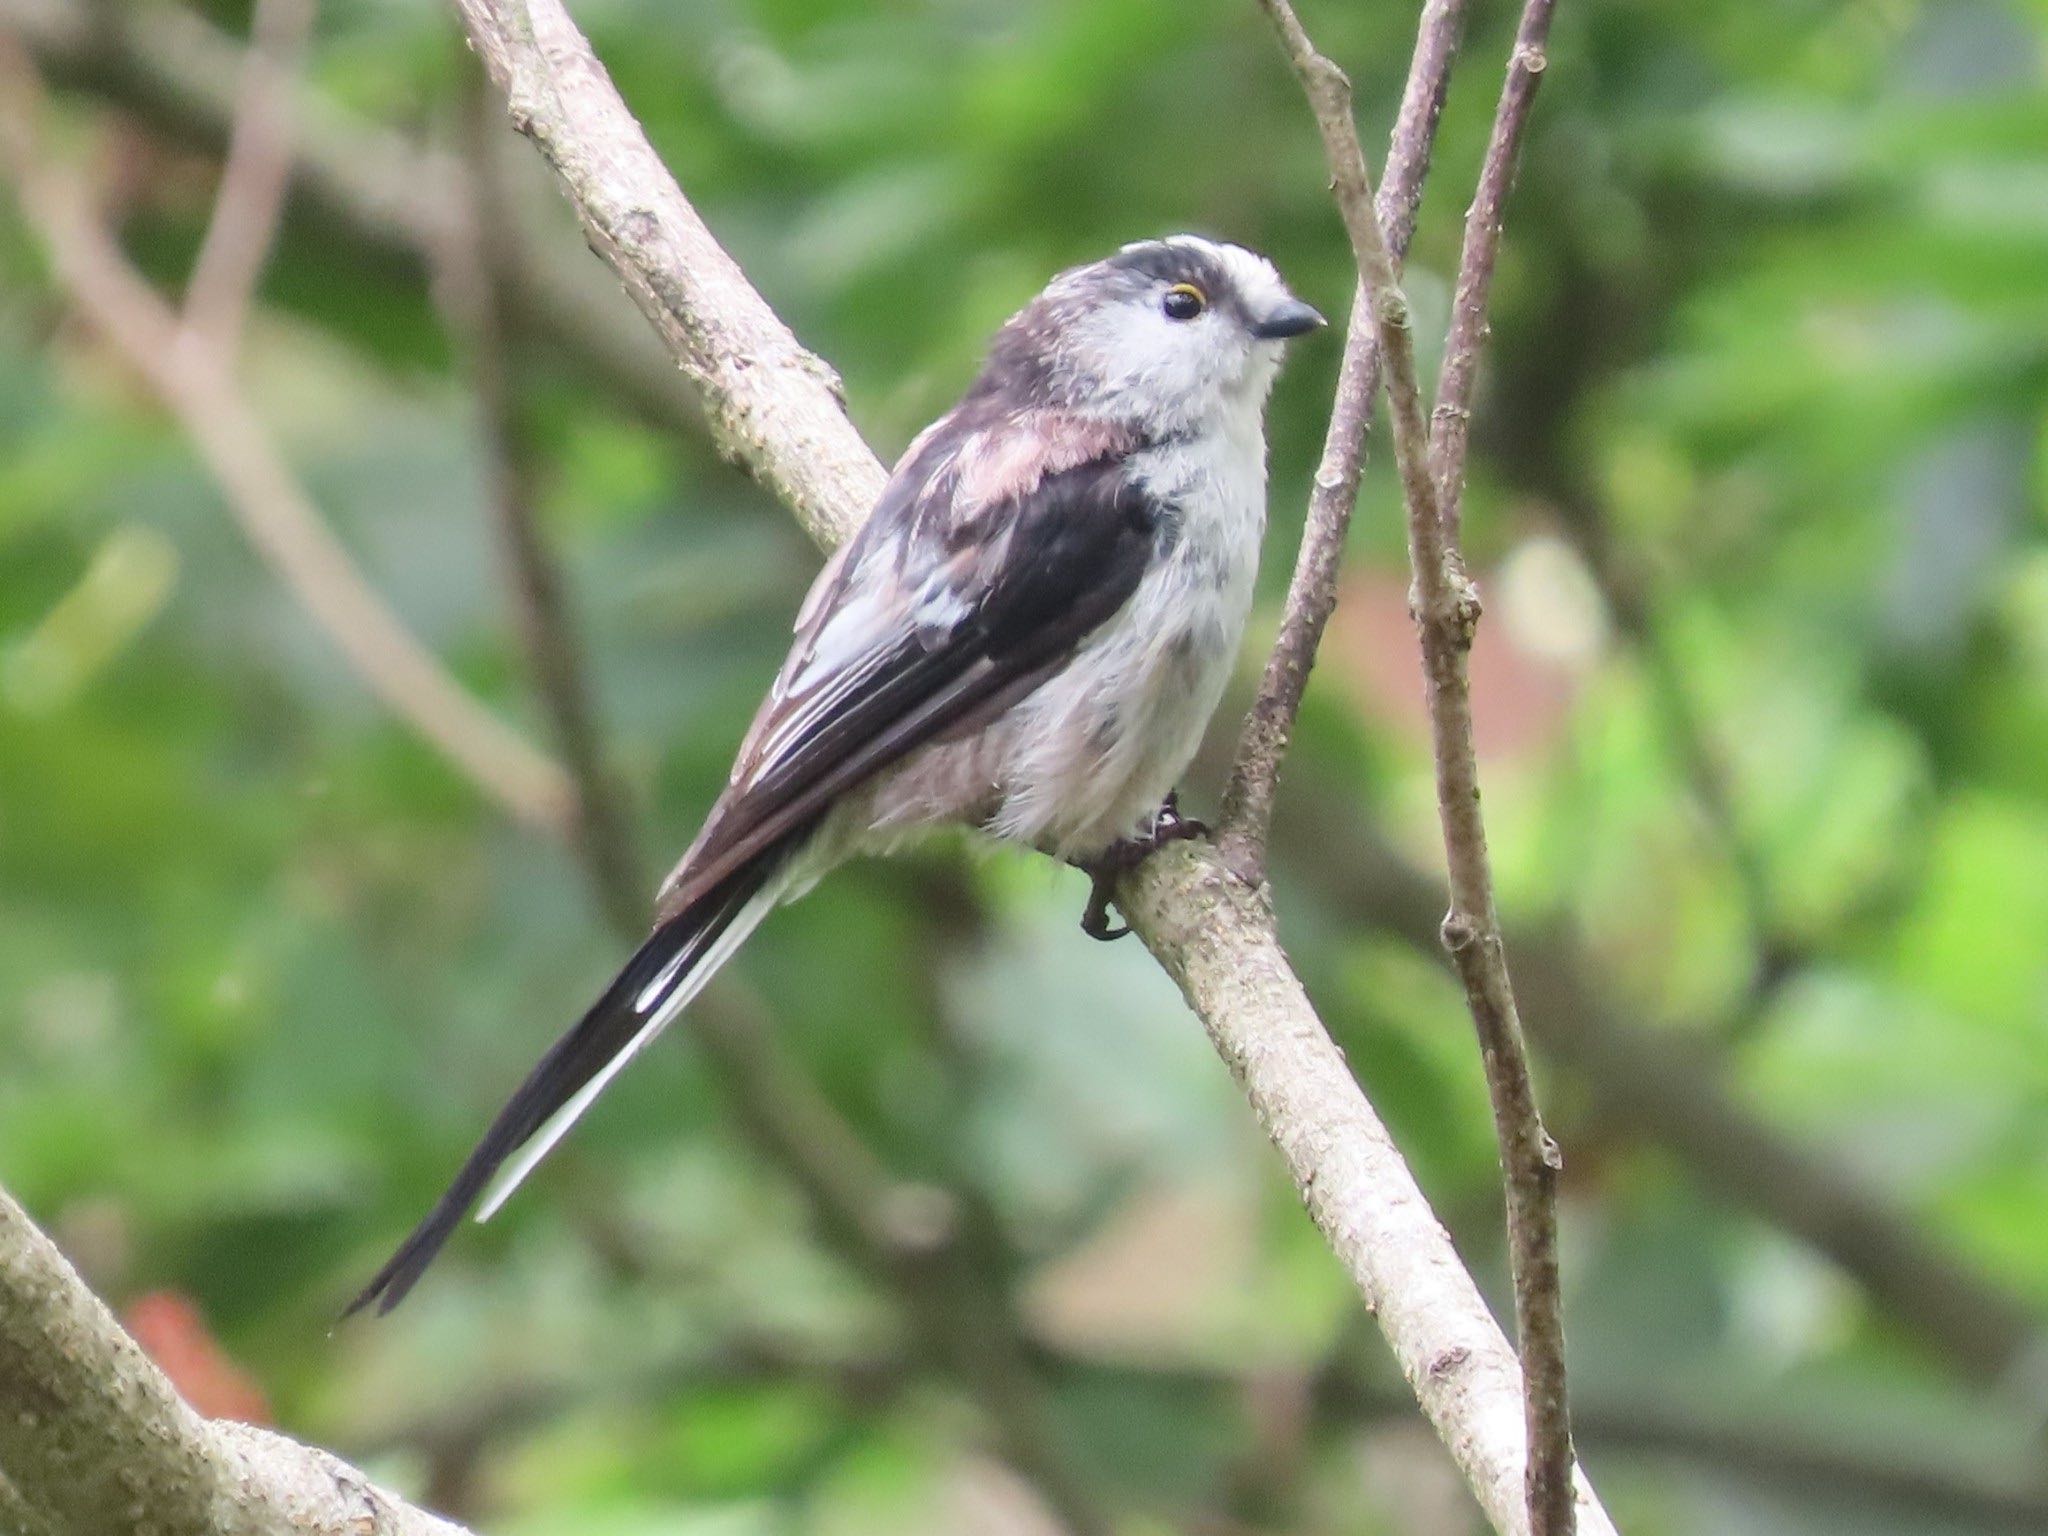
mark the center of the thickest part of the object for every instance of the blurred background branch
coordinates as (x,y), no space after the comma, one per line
(196,384)
(255,173)
(391,200)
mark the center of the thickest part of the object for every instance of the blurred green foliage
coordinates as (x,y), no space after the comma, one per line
(1758,503)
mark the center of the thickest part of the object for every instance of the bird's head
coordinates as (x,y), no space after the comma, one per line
(1174,335)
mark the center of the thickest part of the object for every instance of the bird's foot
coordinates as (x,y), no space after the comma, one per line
(1103,871)
(1125,855)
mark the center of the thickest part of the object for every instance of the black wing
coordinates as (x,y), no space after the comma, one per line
(942,613)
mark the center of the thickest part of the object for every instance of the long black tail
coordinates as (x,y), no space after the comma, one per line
(641,1000)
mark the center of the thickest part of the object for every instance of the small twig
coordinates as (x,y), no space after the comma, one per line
(1447,611)
(1452,417)
(1247,815)
(253,180)
(273,508)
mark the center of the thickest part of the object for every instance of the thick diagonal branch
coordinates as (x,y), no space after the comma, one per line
(95,1441)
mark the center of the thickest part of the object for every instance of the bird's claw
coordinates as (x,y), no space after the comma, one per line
(1125,855)
(1095,916)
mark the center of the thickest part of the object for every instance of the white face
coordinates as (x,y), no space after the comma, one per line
(1169,331)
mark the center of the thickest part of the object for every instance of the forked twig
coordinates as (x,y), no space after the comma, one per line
(1247,817)
(1447,612)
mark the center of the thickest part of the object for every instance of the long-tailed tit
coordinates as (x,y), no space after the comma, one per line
(1029,635)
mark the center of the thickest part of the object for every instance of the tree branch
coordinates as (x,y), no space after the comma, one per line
(777,410)
(1452,418)
(95,1439)
(1529,1158)
(1447,612)
(1247,817)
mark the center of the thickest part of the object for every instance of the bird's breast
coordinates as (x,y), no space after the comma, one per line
(1087,758)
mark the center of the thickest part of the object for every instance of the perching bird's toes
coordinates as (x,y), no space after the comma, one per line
(1095,916)
(1125,855)
(1104,870)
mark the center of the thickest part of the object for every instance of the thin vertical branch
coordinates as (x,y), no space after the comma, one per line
(253,178)
(1448,616)
(1452,418)
(1623,590)
(1312,592)
(1447,612)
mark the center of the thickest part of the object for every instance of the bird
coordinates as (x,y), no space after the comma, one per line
(1027,635)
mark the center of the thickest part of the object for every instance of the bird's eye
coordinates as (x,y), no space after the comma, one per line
(1183,301)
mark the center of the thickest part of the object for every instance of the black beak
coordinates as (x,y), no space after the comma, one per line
(1292,318)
